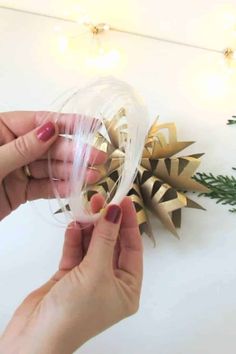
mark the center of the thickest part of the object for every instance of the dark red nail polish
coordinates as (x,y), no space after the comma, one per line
(46,131)
(113,214)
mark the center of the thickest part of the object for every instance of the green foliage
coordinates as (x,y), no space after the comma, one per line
(222,188)
(232,121)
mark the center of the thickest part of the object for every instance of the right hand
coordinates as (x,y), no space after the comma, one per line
(98,284)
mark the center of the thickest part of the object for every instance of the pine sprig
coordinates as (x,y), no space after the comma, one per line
(232,121)
(222,188)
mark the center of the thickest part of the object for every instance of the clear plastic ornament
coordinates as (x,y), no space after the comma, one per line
(107,112)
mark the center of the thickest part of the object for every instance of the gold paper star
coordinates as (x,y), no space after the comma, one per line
(162,178)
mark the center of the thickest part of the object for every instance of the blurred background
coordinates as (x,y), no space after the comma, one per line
(188,302)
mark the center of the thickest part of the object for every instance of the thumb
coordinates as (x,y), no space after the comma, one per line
(27,148)
(105,234)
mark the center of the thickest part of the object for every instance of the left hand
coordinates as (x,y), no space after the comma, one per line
(25,139)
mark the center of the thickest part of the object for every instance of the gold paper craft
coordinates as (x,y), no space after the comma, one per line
(162,178)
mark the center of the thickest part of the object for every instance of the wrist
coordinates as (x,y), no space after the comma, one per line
(55,334)
(41,343)
(46,344)
(53,339)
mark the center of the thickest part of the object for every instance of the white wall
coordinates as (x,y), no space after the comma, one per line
(188,303)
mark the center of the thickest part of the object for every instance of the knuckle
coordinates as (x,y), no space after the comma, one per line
(22,146)
(107,238)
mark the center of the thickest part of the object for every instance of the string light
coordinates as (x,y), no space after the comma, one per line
(229,53)
(101,57)
(99,28)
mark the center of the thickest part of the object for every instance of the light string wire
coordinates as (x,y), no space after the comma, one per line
(119,30)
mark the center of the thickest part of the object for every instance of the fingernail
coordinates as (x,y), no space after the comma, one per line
(46,131)
(113,214)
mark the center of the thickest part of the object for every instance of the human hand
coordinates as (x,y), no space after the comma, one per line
(98,284)
(25,139)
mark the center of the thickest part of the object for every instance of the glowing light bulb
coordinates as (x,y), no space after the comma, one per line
(101,55)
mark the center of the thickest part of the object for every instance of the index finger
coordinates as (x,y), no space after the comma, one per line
(22,122)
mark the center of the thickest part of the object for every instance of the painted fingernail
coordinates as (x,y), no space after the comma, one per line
(113,214)
(46,131)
